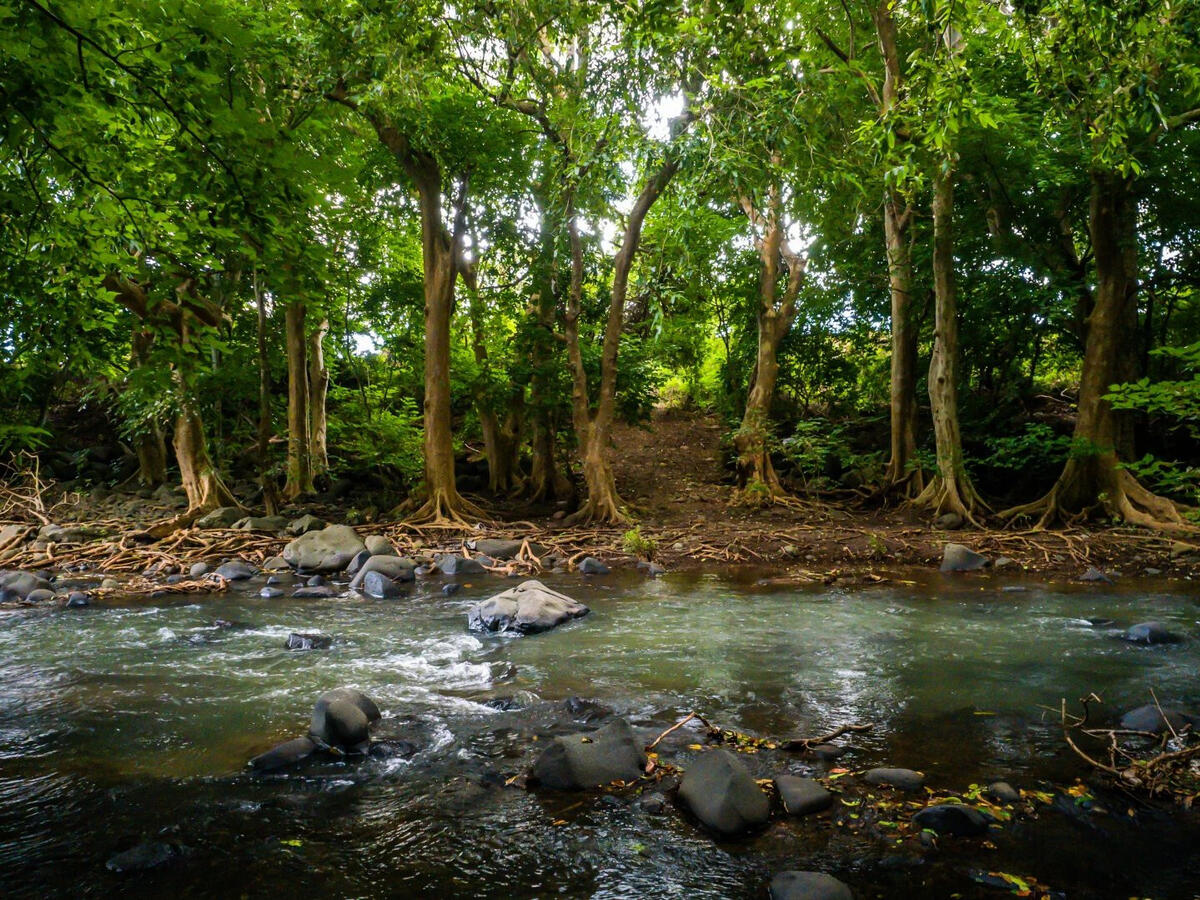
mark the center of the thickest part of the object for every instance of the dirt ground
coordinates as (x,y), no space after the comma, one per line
(670,473)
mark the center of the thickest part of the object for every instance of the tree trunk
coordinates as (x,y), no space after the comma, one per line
(318,389)
(500,440)
(547,480)
(1092,477)
(149,443)
(756,474)
(299,468)
(903,476)
(266,478)
(205,490)
(951,489)
(439,252)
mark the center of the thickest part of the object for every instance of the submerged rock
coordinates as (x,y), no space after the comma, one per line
(1150,718)
(957,558)
(271,593)
(722,794)
(904,779)
(327,550)
(286,754)
(802,796)
(953,818)
(314,592)
(1095,575)
(528,608)
(77,600)
(306,641)
(148,855)
(808,886)
(591,759)
(1150,633)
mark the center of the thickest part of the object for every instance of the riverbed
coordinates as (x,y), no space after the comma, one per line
(134,720)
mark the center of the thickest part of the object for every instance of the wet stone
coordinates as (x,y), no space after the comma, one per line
(802,796)
(378,545)
(1150,718)
(957,558)
(315,581)
(459,565)
(148,855)
(270,593)
(378,585)
(1150,633)
(724,796)
(808,886)
(451,589)
(1003,792)
(175,579)
(199,569)
(41,595)
(397,568)
(592,566)
(236,571)
(828,751)
(904,779)
(320,592)
(306,641)
(77,600)
(286,754)
(591,759)
(954,819)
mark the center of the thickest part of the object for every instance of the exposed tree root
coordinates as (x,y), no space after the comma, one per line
(942,496)
(1127,500)
(448,509)
(900,483)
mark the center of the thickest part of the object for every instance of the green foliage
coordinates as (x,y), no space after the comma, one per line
(819,451)
(635,544)
(1037,447)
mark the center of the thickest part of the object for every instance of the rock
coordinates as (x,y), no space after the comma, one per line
(1095,575)
(174,579)
(316,581)
(224,517)
(286,754)
(23,583)
(300,641)
(652,569)
(1003,792)
(1100,621)
(270,593)
(148,855)
(1004,563)
(10,533)
(397,568)
(378,545)
(528,608)
(304,525)
(459,565)
(272,524)
(953,818)
(451,589)
(276,564)
(957,558)
(1149,718)
(949,521)
(357,563)
(199,569)
(801,796)
(275,581)
(904,779)
(110,583)
(1150,633)
(828,751)
(376,584)
(653,803)
(40,595)
(342,718)
(808,886)
(589,565)
(316,592)
(588,760)
(722,794)
(1014,589)
(1151,572)
(327,550)
(501,548)
(236,570)
(77,600)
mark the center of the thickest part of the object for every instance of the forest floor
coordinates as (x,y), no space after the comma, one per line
(670,472)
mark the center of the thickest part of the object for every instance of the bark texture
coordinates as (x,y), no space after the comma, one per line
(299,468)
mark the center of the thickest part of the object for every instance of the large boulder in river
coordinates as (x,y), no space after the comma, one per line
(528,608)
(957,558)
(23,583)
(722,794)
(591,759)
(808,886)
(342,718)
(327,550)
(224,517)
(397,568)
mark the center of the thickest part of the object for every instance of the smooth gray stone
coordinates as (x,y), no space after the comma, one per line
(1003,792)
(41,595)
(451,564)
(199,569)
(24,583)
(592,566)
(722,794)
(378,545)
(1150,633)
(1148,718)
(304,525)
(953,818)
(77,600)
(224,517)
(397,568)
(327,550)
(286,754)
(317,592)
(808,886)
(957,558)
(270,593)
(378,585)
(236,570)
(802,796)
(591,759)
(904,779)
(528,608)
(340,720)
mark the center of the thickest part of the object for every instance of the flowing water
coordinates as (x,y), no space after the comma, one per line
(133,721)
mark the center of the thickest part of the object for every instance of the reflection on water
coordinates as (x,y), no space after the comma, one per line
(131,722)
